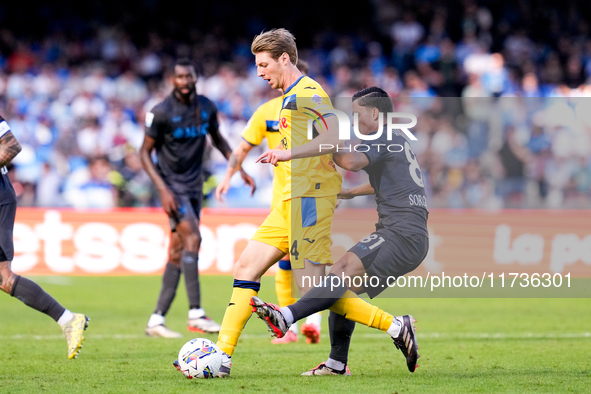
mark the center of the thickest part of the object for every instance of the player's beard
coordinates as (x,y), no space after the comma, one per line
(187,96)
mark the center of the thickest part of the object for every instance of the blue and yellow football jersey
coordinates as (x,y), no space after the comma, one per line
(312,176)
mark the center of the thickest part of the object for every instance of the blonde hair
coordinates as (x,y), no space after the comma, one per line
(276,42)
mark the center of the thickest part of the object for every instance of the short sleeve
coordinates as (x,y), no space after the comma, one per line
(378,150)
(254,131)
(4,128)
(153,122)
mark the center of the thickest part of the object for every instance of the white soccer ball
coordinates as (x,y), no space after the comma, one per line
(200,358)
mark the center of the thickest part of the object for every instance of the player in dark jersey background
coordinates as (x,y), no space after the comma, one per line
(27,291)
(398,246)
(176,129)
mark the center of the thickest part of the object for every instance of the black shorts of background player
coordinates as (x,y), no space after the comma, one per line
(176,130)
(25,290)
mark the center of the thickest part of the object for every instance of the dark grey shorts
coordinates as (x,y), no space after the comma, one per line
(190,209)
(7,215)
(386,253)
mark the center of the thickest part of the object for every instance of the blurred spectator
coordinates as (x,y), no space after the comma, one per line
(89,139)
(477,189)
(513,157)
(48,188)
(96,191)
(406,34)
(136,189)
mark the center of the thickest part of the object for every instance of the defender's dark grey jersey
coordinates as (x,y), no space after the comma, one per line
(7,195)
(181,140)
(396,177)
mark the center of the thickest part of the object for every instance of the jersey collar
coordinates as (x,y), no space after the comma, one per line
(293,84)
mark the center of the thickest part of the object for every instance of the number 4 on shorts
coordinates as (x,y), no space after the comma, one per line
(294,249)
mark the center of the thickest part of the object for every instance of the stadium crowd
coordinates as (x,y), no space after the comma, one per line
(503,104)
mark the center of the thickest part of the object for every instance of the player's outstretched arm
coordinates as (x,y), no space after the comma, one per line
(169,202)
(326,142)
(360,190)
(234,164)
(274,156)
(9,148)
(351,161)
(222,145)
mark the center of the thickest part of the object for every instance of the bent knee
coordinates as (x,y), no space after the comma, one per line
(348,265)
(244,270)
(192,242)
(7,278)
(341,265)
(241,270)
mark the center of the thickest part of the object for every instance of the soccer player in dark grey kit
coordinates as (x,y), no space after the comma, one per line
(27,291)
(177,129)
(398,246)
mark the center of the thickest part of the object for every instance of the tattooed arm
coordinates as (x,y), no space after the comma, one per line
(9,148)
(234,164)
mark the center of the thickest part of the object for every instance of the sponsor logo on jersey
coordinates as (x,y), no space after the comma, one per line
(272,125)
(316,99)
(284,122)
(190,132)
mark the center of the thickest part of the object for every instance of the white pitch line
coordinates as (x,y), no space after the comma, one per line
(429,335)
(54,337)
(476,335)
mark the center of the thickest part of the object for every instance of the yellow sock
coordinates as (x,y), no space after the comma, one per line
(283,288)
(360,311)
(237,314)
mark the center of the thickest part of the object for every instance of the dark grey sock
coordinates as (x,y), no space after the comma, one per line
(34,296)
(319,298)
(170,282)
(340,330)
(189,264)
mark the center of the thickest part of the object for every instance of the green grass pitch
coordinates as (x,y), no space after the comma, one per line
(467,345)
